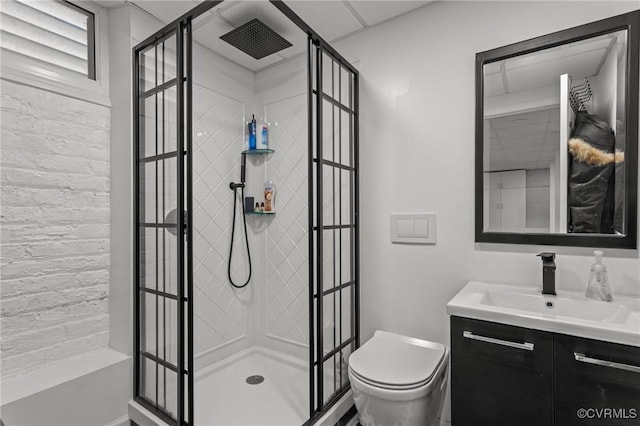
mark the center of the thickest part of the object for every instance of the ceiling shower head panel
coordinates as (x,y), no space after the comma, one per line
(256,39)
(207,33)
(224,18)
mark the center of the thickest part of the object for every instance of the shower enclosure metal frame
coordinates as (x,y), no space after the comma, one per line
(183,297)
(319,97)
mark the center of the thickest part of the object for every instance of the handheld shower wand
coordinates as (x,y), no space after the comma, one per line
(243,173)
(243,167)
(234,186)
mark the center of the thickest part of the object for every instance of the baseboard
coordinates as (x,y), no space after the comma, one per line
(122,421)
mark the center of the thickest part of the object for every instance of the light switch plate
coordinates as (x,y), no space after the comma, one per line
(413,228)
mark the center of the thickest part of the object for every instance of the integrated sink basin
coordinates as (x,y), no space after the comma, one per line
(568,312)
(558,306)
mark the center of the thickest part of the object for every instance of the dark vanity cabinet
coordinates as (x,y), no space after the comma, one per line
(507,375)
(596,383)
(500,375)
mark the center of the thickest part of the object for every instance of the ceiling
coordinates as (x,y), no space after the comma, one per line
(528,140)
(540,69)
(524,91)
(331,19)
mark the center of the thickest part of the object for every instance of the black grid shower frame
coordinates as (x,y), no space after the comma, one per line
(183,299)
(178,27)
(318,98)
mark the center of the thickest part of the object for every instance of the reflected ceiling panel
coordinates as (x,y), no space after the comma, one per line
(528,140)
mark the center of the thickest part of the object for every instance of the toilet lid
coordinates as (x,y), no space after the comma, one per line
(394,360)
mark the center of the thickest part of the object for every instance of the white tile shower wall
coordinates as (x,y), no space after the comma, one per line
(287,273)
(282,92)
(220,311)
(55,227)
(223,93)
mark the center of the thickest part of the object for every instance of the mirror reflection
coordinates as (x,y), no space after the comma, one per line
(554,139)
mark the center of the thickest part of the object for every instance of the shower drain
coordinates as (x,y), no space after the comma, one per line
(255,380)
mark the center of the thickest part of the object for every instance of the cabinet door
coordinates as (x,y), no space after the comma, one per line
(514,204)
(500,375)
(494,210)
(597,383)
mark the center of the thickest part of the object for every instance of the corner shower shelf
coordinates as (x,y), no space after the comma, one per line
(258,151)
(260,213)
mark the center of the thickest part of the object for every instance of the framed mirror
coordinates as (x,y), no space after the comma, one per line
(557,138)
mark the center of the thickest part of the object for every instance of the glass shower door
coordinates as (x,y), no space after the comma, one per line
(334,221)
(163,302)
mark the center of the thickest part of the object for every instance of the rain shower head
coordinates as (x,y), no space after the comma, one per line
(256,39)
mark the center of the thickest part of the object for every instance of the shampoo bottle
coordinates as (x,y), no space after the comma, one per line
(263,136)
(269,196)
(598,287)
(251,133)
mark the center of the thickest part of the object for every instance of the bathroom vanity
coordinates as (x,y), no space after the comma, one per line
(522,358)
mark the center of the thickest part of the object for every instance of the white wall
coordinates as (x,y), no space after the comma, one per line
(417,154)
(127,27)
(55,227)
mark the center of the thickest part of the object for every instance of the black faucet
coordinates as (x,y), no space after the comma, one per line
(548,273)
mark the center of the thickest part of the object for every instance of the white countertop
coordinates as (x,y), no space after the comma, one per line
(566,313)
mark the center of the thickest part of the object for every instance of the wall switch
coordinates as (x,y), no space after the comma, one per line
(413,228)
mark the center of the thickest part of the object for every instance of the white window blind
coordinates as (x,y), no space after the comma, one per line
(52,31)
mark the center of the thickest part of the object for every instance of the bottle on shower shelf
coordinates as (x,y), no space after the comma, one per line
(251,133)
(262,135)
(269,197)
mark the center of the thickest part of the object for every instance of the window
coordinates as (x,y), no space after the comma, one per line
(52,31)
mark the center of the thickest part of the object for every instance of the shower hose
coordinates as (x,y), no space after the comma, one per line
(233,230)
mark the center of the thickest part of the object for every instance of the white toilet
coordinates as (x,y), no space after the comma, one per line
(398,380)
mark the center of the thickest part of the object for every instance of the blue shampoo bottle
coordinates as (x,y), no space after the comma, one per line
(252,132)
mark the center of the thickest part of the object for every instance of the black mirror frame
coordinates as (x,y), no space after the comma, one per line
(630,22)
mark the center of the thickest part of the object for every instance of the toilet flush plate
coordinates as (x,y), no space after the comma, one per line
(413,228)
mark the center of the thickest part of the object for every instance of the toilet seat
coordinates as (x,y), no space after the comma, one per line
(387,386)
(394,362)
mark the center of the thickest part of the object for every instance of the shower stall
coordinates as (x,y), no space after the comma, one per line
(274,352)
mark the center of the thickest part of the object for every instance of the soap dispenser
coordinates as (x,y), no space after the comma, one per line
(598,287)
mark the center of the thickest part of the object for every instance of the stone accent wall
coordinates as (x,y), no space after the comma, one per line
(54,227)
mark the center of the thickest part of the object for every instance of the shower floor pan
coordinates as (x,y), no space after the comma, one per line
(223,396)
